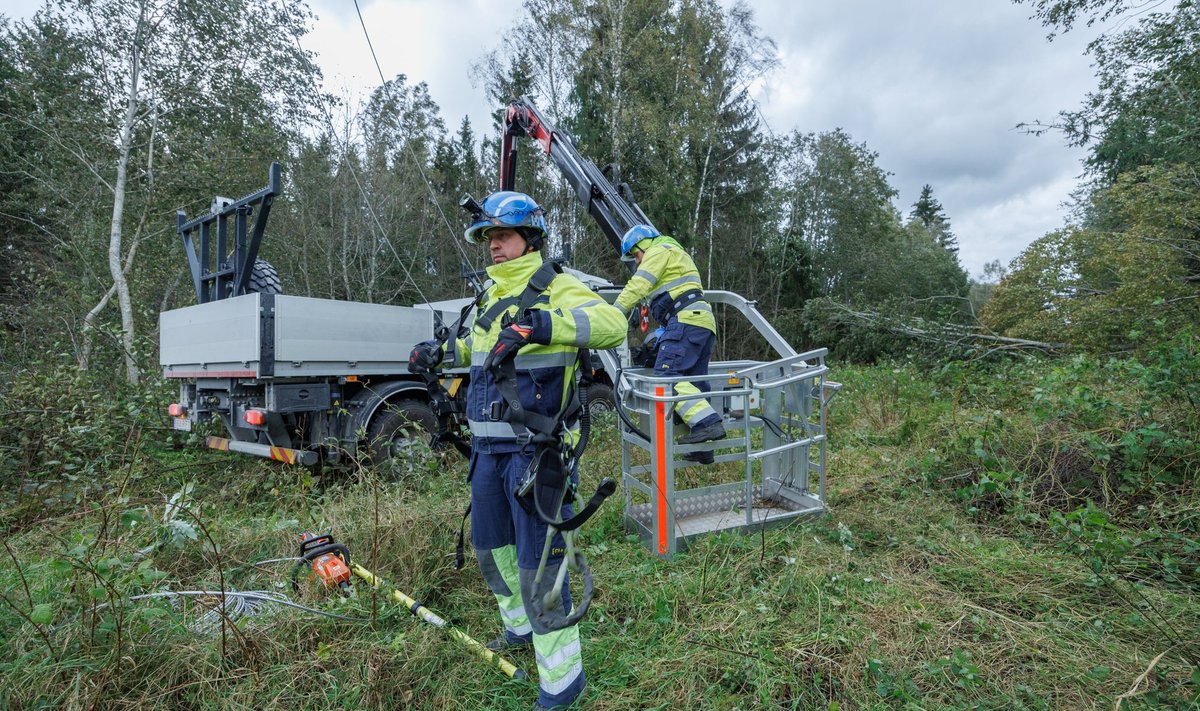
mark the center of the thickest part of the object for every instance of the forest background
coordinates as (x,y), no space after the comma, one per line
(115,115)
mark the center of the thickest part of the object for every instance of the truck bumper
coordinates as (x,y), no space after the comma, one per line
(266,451)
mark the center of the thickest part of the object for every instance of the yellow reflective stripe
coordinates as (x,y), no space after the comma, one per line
(515,615)
(512,608)
(561,648)
(552,686)
(560,657)
(692,411)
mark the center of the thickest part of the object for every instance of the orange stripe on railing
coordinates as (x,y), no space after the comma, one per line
(660,451)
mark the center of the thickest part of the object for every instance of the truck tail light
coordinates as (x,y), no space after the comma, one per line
(177,410)
(254,417)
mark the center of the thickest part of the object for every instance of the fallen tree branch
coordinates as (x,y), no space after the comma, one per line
(942,333)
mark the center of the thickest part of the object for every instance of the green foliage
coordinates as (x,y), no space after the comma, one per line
(843,241)
(71,437)
(1144,109)
(901,596)
(1125,277)
(931,216)
(1106,453)
(839,203)
(931,330)
(1110,290)
(221,91)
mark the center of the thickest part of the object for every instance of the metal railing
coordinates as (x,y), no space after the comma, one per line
(769,469)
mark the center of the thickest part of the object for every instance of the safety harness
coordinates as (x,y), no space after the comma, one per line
(548,482)
(664,308)
(446,409)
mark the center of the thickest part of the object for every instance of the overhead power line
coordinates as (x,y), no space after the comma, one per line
(408,146)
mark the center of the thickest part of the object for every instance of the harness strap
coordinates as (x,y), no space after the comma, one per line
(485,319)
(540,281)
(444,408)
(671,306)
(460,549)
(542,428)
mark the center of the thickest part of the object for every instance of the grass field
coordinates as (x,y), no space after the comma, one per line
(908,594)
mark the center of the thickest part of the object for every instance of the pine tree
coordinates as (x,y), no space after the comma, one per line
(929,212)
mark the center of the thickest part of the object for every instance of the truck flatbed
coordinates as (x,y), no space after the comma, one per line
(279,336)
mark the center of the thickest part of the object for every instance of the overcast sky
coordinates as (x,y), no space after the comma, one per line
(935,87)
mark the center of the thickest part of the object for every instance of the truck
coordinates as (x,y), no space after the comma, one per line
(297,379)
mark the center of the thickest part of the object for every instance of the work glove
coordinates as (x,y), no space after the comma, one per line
(646,354)
(425,356)
(512,338)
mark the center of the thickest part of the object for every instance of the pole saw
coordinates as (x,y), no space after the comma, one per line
(331,564)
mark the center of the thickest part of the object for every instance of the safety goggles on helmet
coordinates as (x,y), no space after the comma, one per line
(505,209)
(636,234)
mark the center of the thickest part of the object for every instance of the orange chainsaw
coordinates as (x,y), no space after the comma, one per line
(330,561)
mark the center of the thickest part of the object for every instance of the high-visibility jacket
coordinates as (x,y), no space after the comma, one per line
(546,369)
(667,271)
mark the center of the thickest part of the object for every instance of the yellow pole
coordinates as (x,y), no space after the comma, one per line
(429,616)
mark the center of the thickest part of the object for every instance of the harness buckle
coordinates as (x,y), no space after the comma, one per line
(497,409)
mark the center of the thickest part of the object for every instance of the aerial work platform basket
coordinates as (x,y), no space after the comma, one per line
(768,470)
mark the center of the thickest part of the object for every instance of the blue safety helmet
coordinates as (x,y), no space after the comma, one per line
(636,234)
(510,209)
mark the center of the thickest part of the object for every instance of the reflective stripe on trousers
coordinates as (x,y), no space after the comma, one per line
(508,545)
(693,412)
(684,349)
(499,568)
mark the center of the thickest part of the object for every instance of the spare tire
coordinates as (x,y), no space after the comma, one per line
(264,279)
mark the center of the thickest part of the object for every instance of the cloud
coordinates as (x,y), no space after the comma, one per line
(427,40)
(936,89)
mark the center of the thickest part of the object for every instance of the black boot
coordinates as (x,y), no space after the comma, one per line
(501,643)
(704,456)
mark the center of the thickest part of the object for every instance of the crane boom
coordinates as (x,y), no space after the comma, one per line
(609,202)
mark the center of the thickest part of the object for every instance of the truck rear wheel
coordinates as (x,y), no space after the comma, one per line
(396,427)
(600,399)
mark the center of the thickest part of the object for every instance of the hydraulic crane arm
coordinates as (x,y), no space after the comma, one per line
(610,205)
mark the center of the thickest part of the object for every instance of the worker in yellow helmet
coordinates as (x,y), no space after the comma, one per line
(667,276)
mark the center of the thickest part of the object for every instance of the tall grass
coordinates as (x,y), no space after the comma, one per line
(924,587)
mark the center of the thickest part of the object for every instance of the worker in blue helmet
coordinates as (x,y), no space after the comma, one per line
(540,318)
(512,210)
(668,278)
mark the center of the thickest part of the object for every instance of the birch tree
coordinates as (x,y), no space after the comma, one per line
(179,85)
